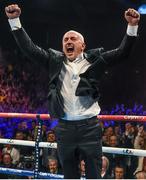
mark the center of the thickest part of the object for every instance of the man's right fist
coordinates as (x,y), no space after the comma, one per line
(12,11)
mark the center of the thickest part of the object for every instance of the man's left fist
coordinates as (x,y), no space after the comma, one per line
(132,16)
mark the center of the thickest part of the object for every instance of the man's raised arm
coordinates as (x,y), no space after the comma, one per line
(123,51)
(26,45)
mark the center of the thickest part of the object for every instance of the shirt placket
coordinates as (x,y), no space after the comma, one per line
(74,82)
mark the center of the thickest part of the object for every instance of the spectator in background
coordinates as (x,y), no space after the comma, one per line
(52,166)
(33,129)
(107,133)
(24,150)
(128,135)
(140,175)
(19,135)
(114,159)
(7,163)
(51,152)
(14,153)
(118,133)
(105,167)
(119,172)
(105,138)
(140,143)
(82,169)
(7,160)
(23,130)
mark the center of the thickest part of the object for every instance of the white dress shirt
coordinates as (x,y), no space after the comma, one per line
(76,107)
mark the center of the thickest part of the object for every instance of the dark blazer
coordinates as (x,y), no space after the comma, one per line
(53,61)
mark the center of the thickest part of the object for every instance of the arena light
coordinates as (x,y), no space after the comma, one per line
(142,9)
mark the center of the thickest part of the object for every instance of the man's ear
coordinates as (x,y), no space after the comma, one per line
(83,46)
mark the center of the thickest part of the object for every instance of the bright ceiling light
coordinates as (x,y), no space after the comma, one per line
(142,9)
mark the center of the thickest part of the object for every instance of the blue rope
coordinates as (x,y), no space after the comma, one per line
(21,172)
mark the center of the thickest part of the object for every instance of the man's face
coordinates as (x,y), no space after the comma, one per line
(7,159)
(51,137)
(19,136)
(104,165)
(113,141)
(53,166)
(73,44)
(82,166)
(119,173)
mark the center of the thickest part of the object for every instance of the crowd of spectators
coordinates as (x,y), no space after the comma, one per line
(23,88)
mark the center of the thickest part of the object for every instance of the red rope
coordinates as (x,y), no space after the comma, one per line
(25,115)
(122,118)
(101,117)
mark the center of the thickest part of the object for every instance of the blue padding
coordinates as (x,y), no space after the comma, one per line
(21,172)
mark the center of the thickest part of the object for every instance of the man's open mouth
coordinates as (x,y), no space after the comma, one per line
(70,49)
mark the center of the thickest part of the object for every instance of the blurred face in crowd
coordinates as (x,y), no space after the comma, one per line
(113,141)
(141,175)
(141,142)
(109,131)
(7,160)
(51,137)
(8,146)
(44,128)
(119,173)
(105,164)
(24,125)
(117,130)
(19,136)
(53,165)
(73,44)
(33,124)
(82,167)
(105,139)
(129,127)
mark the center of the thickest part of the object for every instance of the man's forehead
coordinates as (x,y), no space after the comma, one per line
(71,33)
(74,34)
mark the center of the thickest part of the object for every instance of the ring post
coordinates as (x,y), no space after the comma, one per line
(37,149)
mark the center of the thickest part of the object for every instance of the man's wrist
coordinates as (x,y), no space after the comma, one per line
(132,30)
(15,23)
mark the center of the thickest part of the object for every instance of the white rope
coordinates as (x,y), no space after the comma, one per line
(27,143)
(124,151)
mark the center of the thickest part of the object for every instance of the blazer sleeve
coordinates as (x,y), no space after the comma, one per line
(31,50)
(121,53)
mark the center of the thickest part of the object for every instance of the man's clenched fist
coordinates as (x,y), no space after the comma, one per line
(132,16)
(12,11)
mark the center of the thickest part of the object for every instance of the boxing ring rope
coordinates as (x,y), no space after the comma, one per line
(25,116)
(37,144)
(124,151)
(101,117)
(21,172)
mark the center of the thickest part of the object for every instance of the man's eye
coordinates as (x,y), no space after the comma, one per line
(66,39)
(73,39)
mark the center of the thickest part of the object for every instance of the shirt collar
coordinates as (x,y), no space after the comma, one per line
(77,60)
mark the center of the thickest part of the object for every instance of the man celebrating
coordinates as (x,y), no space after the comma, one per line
(73,77)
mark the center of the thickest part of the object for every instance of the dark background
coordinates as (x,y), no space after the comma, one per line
(102,23)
